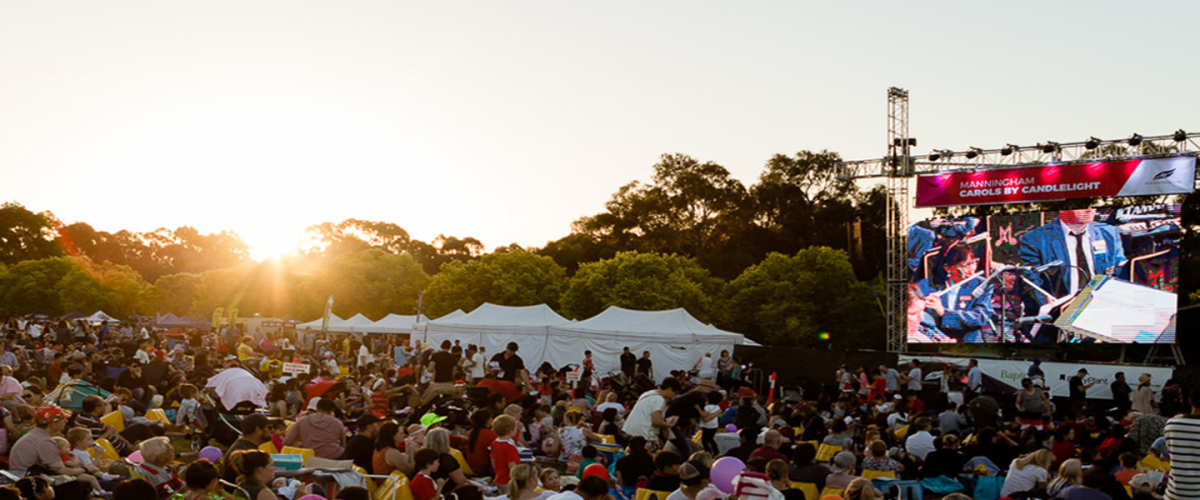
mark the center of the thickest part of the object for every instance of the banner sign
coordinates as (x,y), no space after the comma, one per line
(1176,175)
(295,368)
(1008,374)
(216,318)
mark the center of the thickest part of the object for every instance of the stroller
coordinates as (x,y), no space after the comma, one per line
(70,396)
(214,422)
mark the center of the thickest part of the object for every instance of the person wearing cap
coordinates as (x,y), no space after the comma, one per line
(512,367)
(37,447)
(361,446)
(693,478)
(319,431)
(842,470)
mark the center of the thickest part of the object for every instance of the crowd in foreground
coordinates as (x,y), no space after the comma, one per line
(457,422)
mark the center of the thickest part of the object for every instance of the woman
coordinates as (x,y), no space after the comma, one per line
(877,459)
(479,441)
(861,489)
(387,457)
(157,466)
(202,482)
(278,403)
(574,435)
(724,367)
(706,366)
(1031,401)
(524,485)
(636,464)
(439,440)
(255,470)
(1028,473)
(1142,399)
(777,472)
(1070,473)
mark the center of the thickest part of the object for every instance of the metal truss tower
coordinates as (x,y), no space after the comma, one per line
(899,165)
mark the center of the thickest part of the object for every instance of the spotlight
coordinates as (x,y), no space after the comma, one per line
(948,154)
(1135,140)
(897,142)
(1180,135)
(934,156)
(1050,147)
(912,141)
(1092,143)
(1009,149)
(974,152)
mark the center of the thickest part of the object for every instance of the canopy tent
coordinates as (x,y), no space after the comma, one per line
(315,324)
(493,327)
(99,316)
(170,320)
(675,339)
(392,323)
(347,326)
(74,315)
(457,313)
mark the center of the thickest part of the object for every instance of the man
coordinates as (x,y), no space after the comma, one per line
(589,488)
(1078,390)
(974,377)
(920,444)
(361,445)
(769,450)
(891,377)
(646,418)
(1086,248)
(1035,370)
(645,366)
(1094,479)
(441,365)
(694,478)
(137,384)
(92,409)
(1120,394)
(1182,435)
(37,446)
(7,358)
(400,355)
(512,367)
(320,431)
(628,363)
(806,469)
(914,377)
(951,421)
(959,308)
(686,410)
(254,434)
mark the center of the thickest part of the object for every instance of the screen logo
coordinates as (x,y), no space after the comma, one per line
(1164,175)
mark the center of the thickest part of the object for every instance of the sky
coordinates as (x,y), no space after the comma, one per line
(507,120)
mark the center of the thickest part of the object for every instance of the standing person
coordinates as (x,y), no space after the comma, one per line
(914,377)
(400,354)
(1032,402)
(1143,397)
(706,367)
(1120,393)
(974,377)
(628,363)
(512,367)
(469,364)
(843,379)
(647,417)
(442,365)
(1183,438)
(645,366)
(1078,390)
(891,376)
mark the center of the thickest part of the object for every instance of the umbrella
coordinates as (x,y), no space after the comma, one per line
(235,385)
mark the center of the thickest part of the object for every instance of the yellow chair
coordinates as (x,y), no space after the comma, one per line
(607,438)
(462,461)
(877,474)
(368,481)
(395,487)
(1152,462)
(832,491)
(115,419)
(826,452)
(305,453)
(809,489)
(158,415)
(269,447)
(901,432)
(110,452)
(645,494)
(815,444)
(342,372)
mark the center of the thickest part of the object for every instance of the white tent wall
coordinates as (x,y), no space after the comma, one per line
(565,349)
(532,341)
(392,324)
(315,324)
(347,326)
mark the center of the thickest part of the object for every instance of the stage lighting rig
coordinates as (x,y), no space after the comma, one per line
(974,152)
(1009,149)
(1180,135)
(1092,143)
(1051,147)
(934,155)
(1135,140)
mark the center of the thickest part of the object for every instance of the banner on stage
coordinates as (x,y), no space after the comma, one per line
(1009,373)
(1148,177)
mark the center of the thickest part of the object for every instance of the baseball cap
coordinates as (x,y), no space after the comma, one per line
(431,418)
(843,461)
(49,414)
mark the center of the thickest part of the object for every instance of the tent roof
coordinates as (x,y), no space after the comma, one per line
(659,326)
(358,320)
(315,324)
(100,316)
(74,315)
(392,323)
(490,314)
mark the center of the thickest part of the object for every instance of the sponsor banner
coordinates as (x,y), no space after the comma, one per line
(295,368)
(1009,373)
(1156,176)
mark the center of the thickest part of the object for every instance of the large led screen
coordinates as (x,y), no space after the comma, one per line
(1082,276)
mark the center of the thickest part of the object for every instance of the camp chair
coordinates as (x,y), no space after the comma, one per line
(809,489)
(115,419)
(832,491)
(269,447)
(1152,462)
(395,487)
(368,479)
(878,474)
(157,415)
(108,451)
(608,438)
(645,494)
(825,452)
(901,432)
(305,453)
(462,461)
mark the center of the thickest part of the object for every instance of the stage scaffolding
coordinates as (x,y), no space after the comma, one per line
(901,165)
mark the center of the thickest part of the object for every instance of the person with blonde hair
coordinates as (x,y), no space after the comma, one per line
(1070,473)
(861,489)
(439,440)
(524,485)
(1028,473)
(777,472)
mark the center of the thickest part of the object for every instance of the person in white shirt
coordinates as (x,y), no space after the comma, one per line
(914,377)
(589,488)
(610,401)
(920,444)
(35,330)
(646,418)
(1028,473)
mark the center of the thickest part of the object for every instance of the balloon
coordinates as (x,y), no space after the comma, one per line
(730,428)
(596,470)
(211,453)
(136,457)
(724,473)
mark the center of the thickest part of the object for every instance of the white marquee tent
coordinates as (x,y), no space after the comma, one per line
(99,317)
(675,339)
(392,323)
(493,327)
(349,325)
(315,324)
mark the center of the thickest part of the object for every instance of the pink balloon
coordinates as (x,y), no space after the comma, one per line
(724,473)
(135,457)
(730,428)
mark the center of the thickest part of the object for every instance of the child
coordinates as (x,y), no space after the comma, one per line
(588,364)
(202,480)
(550,480)
(666,475)
(504,451)
(708,425)
(423,486)
(70,460)
(278,429)
(188,405)
(589,457)
(81,441)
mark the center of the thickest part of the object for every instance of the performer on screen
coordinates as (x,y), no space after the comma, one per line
(1086,248)
(955,311)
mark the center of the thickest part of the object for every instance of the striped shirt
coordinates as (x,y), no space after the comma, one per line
(1183,440)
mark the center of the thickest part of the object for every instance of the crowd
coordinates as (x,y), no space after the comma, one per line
(459,422)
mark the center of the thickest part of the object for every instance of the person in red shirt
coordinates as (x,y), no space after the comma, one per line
(426,462)
(504,451)
(915,406)
(878,387)
(769,450)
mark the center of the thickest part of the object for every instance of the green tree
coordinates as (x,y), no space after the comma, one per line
(30,286)
(25,235)
(174,293)
(790,300)
(641,281)
(510,278)
(117,290)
